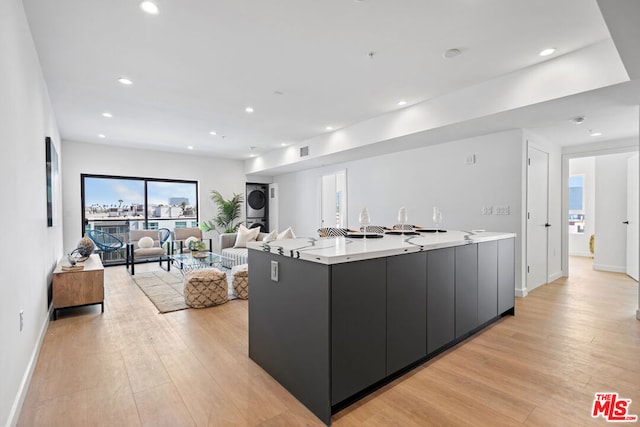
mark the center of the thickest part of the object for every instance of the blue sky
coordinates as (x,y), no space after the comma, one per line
(107,191)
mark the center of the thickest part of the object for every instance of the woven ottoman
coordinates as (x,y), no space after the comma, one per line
(205,288)
(240,275)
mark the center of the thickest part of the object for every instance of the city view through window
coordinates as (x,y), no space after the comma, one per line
(116,205)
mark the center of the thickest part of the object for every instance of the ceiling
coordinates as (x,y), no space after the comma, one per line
(302,65)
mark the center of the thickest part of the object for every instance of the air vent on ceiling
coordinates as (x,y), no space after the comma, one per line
(304,151)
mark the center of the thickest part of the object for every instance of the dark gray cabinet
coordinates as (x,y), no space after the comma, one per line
(358,338)
(466,289)
(440,298)
(487,281)
(328,333)
(506,275)
(406,310)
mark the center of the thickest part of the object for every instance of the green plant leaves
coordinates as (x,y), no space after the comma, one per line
(228,212)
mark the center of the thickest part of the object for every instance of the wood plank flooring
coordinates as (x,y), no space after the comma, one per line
(134,367)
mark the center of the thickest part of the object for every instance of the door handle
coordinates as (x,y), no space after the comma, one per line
(625,222)
(547,225)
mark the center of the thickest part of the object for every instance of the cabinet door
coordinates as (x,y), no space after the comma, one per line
(466,289)
(506,275)
(487,281)
(406,310)
(440,298)
(358,337)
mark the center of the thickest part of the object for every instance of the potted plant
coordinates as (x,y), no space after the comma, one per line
(228,214)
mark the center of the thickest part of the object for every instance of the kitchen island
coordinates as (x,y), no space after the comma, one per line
(333,319)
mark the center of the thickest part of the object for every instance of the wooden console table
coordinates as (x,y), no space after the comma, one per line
(80,287)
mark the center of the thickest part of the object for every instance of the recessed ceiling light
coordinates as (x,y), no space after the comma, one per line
(578,120)
(125,81)
(329,128)
(596,134)
(189,147)
(401,103)
(108,115)
(149,7)
(252,155)
(213,132)
(547,52)
(249,109)
(101,135)
(283,144)
(451,53)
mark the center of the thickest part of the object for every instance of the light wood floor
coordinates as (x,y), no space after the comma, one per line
(131,366)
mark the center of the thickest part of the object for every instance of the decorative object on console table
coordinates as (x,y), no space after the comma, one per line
(82,251)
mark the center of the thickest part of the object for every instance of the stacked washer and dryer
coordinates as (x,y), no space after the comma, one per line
(257,206)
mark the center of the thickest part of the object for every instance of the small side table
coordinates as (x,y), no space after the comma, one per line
(78,288)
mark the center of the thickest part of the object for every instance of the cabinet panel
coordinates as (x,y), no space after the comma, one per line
(506,275)
(440,298)
(358,329)
(487,281)
(466,289)
(406,310)
(289,327)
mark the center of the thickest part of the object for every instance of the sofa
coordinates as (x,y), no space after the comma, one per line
(238,255)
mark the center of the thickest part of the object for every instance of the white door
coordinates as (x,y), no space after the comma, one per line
(537,217)
(328,203)
(633,246)
(334,200)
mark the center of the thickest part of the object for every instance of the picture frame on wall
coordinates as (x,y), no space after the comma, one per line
(52,177)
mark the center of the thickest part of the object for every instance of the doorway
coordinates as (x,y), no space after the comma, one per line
(602,214)
(334,200)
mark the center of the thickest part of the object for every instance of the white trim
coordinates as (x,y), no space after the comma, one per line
(16,408)
(521,293)
(611,268)
(554,276)
(581,254)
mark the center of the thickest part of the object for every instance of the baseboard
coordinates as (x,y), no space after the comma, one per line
(554,276)
(582,254)
(611,268)
(521,293)
(26,379)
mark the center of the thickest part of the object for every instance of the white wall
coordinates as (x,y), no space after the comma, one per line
(30,249)
(579,243)
(611,211)
(420,179)
(226,176)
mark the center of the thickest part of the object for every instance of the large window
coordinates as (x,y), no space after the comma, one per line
(117,205)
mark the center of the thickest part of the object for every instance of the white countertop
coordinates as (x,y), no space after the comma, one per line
(335,250)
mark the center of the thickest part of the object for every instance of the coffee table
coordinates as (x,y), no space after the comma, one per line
(187,262)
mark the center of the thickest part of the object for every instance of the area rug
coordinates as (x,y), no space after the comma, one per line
(165,289)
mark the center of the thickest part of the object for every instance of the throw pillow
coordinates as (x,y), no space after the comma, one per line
(145,243)
(246,235)
(271,236)
(287,234)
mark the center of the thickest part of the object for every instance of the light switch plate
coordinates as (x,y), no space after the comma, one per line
(503,210)
(274,271)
